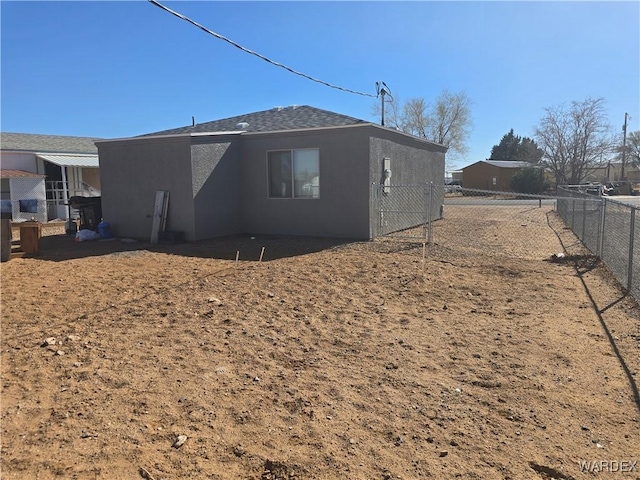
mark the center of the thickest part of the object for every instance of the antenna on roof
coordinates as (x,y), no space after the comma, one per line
(193,121)
(381,91)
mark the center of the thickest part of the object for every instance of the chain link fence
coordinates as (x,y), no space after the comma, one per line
(497,223)
(468,220)
(407,211)
(610,229)
(514,224)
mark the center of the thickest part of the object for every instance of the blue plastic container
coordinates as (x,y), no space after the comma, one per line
(104,230)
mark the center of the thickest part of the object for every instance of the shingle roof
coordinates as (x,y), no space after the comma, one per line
(30,142)
(279,118)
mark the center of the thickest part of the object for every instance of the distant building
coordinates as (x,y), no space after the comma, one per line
(492,174)
(612,172)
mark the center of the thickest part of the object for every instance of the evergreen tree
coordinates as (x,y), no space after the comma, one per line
(515,147)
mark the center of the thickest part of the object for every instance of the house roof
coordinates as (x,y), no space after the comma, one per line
(278,118)
(7,173)
(30,142)
(503,164)
(508,163)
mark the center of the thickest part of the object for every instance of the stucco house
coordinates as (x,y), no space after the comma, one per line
(491,174)
(68,166)
(295,170)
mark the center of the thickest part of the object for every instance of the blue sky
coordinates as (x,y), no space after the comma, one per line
(118,69)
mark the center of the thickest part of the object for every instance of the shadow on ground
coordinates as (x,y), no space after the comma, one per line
(583,264)
(58,248)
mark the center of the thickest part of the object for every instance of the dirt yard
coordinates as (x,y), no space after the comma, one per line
(327,360)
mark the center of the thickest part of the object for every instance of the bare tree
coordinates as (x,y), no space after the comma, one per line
(575,140)
(415,117)
(450,121)
(446,121)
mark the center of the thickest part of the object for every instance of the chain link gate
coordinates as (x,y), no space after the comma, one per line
(405,211)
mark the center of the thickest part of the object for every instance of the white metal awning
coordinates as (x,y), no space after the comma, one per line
(78,160)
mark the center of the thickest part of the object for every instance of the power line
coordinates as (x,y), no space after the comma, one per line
(246,50)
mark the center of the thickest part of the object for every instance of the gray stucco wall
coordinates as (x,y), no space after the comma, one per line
(343,206)
(413,163)
(217,199)
(131,173)
(218,184)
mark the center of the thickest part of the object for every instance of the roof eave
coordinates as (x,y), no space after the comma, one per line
(174,135)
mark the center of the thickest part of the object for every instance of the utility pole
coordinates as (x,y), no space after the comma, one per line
(382,91)
(624,146)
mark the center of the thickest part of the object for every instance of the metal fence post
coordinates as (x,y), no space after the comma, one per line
(598,251)
(429,214)
(603,217)
(631,238)
(584,220)
(378,207)
(573,214)
(425,211)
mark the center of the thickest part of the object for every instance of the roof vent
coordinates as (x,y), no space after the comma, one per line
(242,126)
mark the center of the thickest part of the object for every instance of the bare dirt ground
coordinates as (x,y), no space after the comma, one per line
(327,360)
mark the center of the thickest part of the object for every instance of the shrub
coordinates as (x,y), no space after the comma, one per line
(529,180)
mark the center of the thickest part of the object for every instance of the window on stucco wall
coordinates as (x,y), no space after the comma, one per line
(294,173)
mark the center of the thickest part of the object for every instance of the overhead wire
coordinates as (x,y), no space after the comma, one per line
(251,52)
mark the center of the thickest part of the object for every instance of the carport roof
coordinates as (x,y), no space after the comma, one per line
(89,161)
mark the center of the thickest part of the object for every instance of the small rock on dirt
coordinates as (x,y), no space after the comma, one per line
(239,450)
(179,441)
(48,342)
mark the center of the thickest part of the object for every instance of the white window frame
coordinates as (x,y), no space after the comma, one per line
(291,152)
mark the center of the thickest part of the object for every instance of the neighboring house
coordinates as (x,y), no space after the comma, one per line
(22,196)
(491,174)
(69,166)
(285,171)
(456,175)
(612,172)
